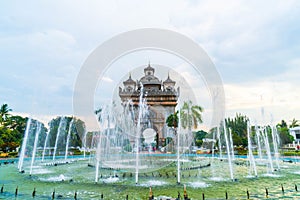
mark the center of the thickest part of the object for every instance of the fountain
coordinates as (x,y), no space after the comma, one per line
(250,152)
(122,160)
(275,139)
(46,142)
(229,153)
(61,129)
(258,142)
(219,142)
(68,138)
(84,142)
(177,152)
(270,168)
(22,154)
(37,133)
(138,133)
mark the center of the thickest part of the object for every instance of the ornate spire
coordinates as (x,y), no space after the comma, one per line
(129,80)
(149,70)
(169,80)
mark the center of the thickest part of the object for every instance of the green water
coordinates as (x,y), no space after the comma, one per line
(79,177)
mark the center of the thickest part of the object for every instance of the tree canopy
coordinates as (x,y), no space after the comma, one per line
(238,126)
(11,129)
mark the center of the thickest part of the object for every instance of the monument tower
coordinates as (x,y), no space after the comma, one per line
(161,98)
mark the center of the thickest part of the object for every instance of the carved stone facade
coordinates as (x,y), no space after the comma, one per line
(161,98)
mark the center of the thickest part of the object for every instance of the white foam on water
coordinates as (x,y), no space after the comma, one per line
(111,180)
(198,185)
(250,176)
(271,175)
(55,178)
(153,183)
(41,171)
(217,179)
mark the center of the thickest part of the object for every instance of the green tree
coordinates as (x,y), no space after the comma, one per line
(11,129)
(284,133)
(199,136)
(172,120)
(76,136)
(238,127)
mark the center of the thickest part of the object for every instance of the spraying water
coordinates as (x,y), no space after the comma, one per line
(61,128)
(267,145)
(275,139)
(98,156)
(213,153)
(178,153)
(46,141)
(21,160)
(231,145)
(92,146)
(37,133)
(220,143)
(138,133)
(250,153)
(257,131)
(68,138)
(84,143)
(228,152)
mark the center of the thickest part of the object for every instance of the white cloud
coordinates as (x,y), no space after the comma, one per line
(107,79)
(255,46)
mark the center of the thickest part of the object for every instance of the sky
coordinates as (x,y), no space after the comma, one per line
(254,45)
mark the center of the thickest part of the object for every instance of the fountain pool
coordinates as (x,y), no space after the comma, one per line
(77,176)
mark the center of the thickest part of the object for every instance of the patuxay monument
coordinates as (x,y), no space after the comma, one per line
(161,98)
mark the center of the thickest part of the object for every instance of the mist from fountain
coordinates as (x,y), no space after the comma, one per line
(23,149)
(37,133)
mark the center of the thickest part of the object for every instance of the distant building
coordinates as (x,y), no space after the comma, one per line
(295,132)
(161,97)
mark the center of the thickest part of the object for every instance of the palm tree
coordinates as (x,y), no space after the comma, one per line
(190,115)
(294,123)
(4,113)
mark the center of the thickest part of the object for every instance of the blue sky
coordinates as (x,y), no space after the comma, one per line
(254,45)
